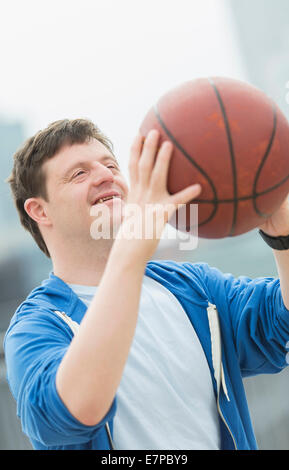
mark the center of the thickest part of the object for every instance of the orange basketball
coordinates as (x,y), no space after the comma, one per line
(233,140)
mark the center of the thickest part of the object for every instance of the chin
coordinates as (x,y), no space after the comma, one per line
(106,224)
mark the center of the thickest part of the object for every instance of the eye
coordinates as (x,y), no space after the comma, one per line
(78,173)
(111,165)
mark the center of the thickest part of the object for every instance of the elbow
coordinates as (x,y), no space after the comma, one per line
(89,415)
(84,407)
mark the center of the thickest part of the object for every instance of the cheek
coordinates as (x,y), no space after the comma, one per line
(69,207)
(124,186)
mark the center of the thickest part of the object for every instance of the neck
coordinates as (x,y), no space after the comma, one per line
(84,266)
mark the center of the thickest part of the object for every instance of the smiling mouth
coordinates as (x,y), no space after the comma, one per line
(103,199)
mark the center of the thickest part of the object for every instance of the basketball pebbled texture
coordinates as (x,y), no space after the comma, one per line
(233,140)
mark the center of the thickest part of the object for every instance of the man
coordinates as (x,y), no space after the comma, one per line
(115,350)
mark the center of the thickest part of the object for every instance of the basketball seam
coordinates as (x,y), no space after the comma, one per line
(262,163)
(232,155)
(192,161)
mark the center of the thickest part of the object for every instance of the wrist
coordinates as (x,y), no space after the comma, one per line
(137,239)
(129,252)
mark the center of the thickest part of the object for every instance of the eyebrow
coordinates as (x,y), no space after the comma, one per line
(87,163)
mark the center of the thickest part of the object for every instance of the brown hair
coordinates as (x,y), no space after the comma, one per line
(27,178)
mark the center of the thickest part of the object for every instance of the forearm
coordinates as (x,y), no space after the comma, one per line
(91,370)
(282,262)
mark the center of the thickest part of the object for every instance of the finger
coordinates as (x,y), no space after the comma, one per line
(161,168)
(148,156)
(135,153)
(186,195)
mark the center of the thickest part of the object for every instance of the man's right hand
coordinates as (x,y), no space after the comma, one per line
(149,205)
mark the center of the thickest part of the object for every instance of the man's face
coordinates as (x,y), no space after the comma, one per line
(75,180)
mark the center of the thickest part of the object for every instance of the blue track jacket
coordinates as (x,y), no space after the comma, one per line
(248,316)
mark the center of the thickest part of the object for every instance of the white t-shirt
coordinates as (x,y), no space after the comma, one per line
(165,399)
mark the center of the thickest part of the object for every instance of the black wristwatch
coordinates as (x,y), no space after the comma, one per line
(277,243)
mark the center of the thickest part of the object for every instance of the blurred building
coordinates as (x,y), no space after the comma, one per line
(22,266)
(262,29)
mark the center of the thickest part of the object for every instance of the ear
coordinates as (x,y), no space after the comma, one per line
(35,208)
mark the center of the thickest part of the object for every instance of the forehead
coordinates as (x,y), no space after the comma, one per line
(70,155)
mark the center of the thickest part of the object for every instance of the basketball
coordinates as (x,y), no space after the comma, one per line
(230,137)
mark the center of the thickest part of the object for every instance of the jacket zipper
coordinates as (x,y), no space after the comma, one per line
(225,422)
(109,436)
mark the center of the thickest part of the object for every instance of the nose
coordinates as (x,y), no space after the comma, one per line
(101,174)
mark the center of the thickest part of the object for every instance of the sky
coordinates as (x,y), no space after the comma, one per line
(108,60)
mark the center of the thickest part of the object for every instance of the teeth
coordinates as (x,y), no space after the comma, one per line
(101,200)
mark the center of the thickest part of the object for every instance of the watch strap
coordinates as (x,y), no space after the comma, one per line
(277,243)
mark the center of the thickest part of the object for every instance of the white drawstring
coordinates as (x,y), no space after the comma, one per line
(216,348)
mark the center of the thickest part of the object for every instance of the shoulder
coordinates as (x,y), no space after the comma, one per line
(37,315)
(183,275)
(40,310)
(172,269)
(35,326)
